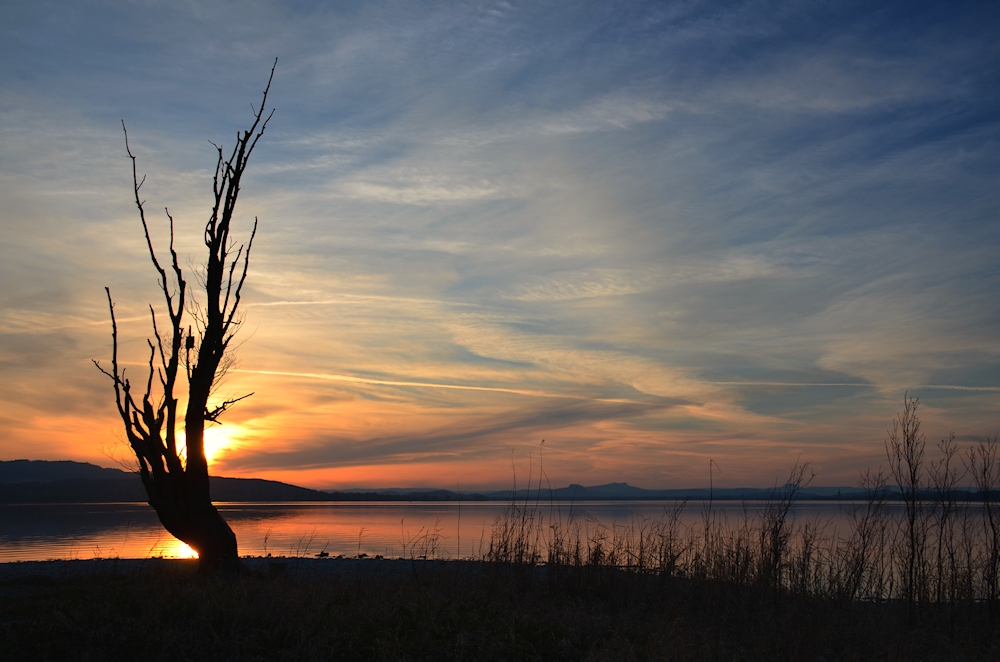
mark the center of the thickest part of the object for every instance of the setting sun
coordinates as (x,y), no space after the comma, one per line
(219,440)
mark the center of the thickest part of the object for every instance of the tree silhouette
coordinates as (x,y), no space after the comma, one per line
(178,488)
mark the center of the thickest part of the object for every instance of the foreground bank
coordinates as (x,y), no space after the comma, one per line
(306,609)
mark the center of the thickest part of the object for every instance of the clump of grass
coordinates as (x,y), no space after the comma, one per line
(944,550)
(935,568)
(422,545)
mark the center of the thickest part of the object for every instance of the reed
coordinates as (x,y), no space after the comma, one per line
(941,550)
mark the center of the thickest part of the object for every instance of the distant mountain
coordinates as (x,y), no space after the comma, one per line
(42,471)
(408,494)
(619,491)
(624,491)
(39,481)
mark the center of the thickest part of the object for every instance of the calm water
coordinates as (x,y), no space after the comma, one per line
(395,529)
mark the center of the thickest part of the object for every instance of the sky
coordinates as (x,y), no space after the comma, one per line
(654,235)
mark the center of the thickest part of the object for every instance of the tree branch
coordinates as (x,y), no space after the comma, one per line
(221,409)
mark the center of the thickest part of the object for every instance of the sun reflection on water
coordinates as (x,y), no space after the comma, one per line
(172,548)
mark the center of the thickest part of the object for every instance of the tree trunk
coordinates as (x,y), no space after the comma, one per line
(189,516)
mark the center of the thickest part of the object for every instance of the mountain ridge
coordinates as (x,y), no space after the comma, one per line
(46,481)
(66,481)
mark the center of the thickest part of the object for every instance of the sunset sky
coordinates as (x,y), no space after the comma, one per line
(651,234)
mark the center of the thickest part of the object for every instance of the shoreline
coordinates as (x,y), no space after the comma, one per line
(291,566)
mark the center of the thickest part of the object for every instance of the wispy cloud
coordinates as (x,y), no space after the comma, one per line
(418,384)
(650,235)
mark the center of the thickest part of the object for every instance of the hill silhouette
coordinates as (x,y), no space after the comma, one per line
(42,481)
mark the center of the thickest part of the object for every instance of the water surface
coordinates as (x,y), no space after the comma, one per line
(32,532)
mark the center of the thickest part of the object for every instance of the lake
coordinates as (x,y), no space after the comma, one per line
(32,532)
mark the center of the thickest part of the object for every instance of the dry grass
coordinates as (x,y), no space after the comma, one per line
(462,611)
(942,550)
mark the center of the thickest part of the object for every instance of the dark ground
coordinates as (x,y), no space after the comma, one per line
(332,609)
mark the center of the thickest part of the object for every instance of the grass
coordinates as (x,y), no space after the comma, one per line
(462,611)
(941,551)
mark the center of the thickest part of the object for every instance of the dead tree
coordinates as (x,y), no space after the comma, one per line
(177,483)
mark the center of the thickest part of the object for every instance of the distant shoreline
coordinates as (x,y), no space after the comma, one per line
(54,482)
(386,499)
(292,566)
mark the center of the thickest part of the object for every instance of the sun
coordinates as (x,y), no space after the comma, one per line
(219,440)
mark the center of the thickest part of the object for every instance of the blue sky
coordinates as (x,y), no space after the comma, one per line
(649,233)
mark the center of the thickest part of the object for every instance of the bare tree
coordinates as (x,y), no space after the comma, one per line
(177,483)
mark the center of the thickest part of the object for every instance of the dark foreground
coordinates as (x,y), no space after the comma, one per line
(432,610)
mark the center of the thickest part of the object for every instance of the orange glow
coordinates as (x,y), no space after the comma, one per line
(337,435)
(219,441)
